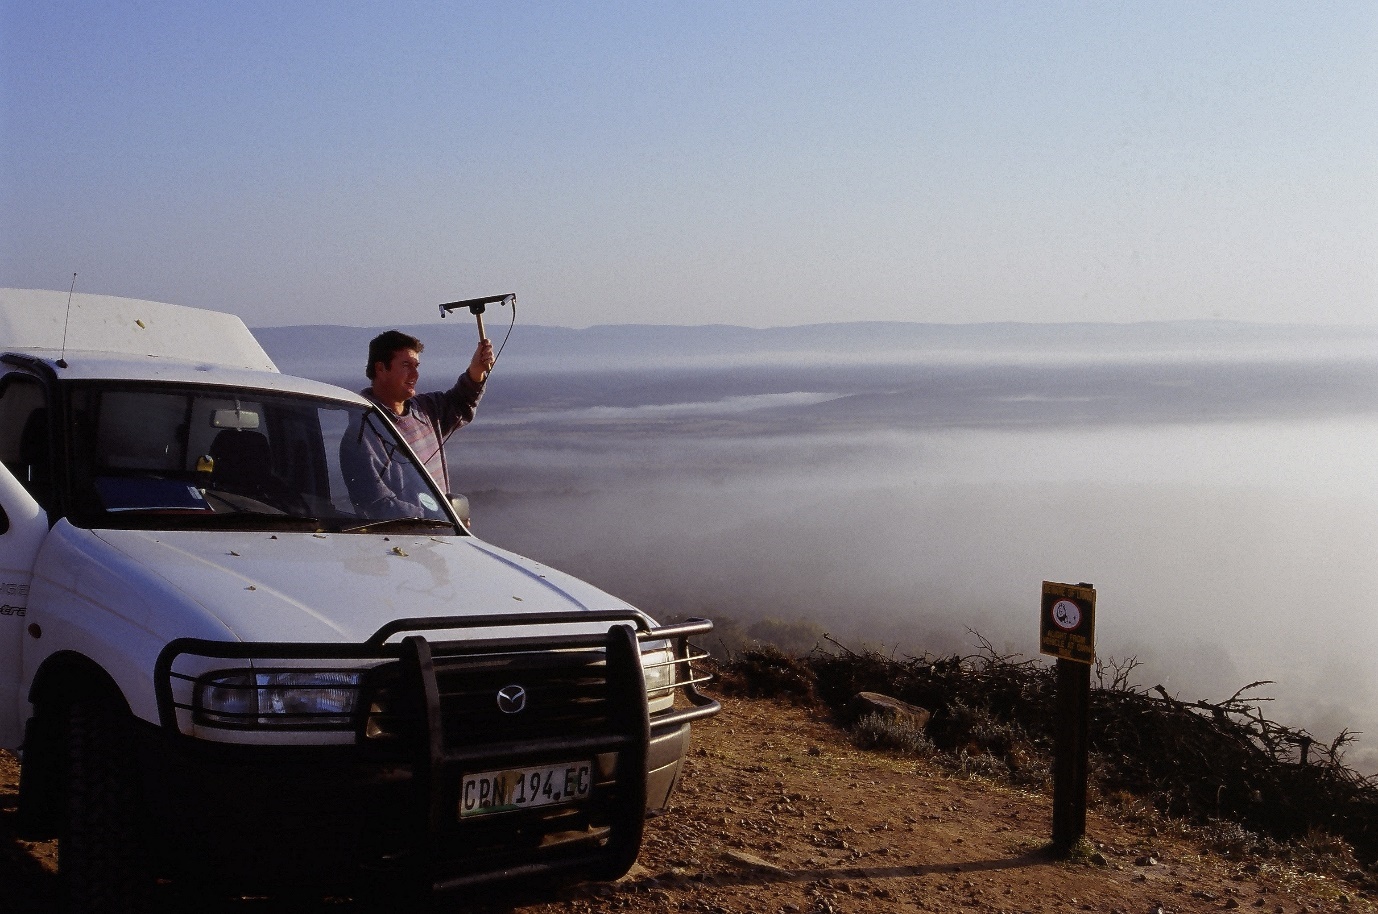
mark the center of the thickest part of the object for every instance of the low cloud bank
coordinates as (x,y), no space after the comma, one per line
(1213,569)
(1225,508)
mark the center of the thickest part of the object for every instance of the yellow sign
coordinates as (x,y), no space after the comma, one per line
(1068,622)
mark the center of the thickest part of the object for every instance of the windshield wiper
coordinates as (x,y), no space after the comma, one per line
(188,520)
(230,517)
(397,521)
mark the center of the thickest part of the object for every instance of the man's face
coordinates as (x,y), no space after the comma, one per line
(396,383)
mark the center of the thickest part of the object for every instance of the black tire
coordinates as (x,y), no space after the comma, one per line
(101,857)
(40,778)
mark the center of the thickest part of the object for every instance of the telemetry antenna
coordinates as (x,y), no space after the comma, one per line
(477,305)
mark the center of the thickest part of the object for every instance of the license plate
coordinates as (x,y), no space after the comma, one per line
(524,788)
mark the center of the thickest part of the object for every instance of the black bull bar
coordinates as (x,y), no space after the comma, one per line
(438,764)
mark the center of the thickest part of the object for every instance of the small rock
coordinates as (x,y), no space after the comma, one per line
(636,872)
(1146,860)
(876,703)
(751,861)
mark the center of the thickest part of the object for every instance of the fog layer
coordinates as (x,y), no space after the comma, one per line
(1217,488)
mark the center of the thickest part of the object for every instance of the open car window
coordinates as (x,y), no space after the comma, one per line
(161,456)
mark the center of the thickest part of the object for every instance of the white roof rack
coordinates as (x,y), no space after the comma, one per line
(33,320)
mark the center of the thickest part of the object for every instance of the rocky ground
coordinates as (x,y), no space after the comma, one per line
(779,813)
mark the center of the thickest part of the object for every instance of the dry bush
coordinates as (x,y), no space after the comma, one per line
(768,673)
(890,732)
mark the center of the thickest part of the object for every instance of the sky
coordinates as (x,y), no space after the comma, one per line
(757,164)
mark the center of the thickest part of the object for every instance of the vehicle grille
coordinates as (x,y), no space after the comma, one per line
(566,694)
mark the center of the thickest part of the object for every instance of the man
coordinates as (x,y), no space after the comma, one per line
(375,480)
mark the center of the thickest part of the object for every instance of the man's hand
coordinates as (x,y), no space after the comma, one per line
(482,362)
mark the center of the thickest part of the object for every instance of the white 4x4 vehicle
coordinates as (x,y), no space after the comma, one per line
(217,665)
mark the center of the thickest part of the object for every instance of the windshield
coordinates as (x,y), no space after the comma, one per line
(161,456)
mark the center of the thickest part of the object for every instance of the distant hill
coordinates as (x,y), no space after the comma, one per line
(326,351)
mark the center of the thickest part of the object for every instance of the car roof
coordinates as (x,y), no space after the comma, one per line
(103,337)
(50,323)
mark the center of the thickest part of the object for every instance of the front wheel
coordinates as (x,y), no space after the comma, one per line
(101,857)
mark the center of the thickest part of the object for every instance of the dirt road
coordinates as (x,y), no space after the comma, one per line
(778,813)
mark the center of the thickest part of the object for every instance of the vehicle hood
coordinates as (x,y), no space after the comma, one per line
(341,588)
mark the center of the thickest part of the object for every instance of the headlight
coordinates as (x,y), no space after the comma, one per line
(300,699)
(659,667)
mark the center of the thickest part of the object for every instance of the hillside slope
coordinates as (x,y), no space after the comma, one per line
(779,813)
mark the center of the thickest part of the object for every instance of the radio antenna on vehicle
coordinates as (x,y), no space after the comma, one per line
(62,358)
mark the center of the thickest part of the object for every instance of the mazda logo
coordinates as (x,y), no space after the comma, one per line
(511,699)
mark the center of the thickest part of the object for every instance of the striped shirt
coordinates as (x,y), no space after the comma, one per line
(427,419)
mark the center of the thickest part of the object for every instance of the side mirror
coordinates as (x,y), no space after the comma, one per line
(461,506)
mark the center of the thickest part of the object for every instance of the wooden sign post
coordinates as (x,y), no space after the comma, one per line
(1068,632)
